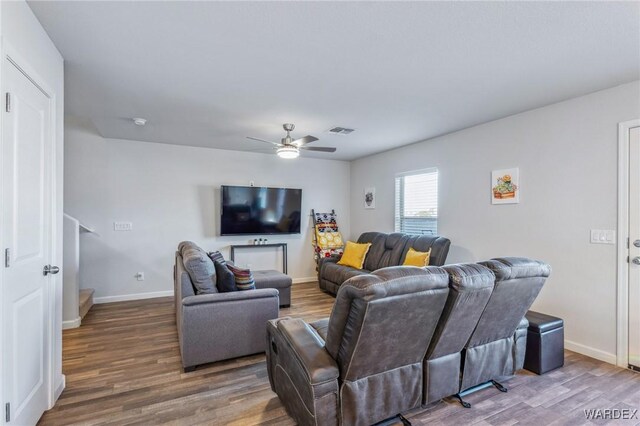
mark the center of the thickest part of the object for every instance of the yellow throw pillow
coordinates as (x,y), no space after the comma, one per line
(417,258)
(354,254)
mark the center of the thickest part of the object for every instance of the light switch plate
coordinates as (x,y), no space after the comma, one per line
(603,236)
(122,226)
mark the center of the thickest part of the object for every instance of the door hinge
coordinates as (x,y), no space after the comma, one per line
(7,412)
(627,242)
(7,258)
(627,259)
(8,101)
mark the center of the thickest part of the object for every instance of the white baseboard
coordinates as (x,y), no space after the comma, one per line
(590,352)
(304,280)
(58,391)
(127,297)
(74,323)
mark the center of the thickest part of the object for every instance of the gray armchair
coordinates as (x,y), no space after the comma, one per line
(213,327)
(364,364)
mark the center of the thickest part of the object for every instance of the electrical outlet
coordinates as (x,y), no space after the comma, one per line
(122,226)
(140,276)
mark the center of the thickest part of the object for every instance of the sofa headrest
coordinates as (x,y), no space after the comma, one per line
(509,268)
(469,276)
(393,240)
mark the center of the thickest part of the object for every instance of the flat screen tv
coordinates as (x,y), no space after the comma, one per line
(251,210)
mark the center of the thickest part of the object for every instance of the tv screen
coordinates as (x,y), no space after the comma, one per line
(250,210)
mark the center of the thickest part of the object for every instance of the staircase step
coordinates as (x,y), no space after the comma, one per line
(86,301)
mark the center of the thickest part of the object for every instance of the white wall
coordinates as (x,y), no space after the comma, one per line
(567,155)
(171,193)
(22,34)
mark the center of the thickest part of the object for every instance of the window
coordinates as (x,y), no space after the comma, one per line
(417,202)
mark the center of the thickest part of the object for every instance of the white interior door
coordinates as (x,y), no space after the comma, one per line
(634,247)
(27,229)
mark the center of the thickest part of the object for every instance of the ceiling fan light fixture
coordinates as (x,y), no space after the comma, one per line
(288,152)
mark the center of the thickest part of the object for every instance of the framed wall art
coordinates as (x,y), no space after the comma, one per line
(370,198)
(505,186)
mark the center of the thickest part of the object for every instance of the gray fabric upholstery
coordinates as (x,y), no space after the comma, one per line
(199,267)
(386,250)
(225,280)
(495,349)
(213,327)
(274,279)
(377,337)
(470,287)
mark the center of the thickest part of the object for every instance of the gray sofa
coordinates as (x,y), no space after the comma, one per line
(404,336)
(386,250)
(214,327)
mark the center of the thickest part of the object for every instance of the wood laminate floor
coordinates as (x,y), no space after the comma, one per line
(122,367)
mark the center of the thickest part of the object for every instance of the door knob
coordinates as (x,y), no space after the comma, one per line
(48,269)
(636,243)
(636,260)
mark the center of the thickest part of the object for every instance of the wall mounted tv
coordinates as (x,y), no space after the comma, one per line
(252,210)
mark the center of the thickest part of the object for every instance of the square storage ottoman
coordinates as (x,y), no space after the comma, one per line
(545,343)
(275,279)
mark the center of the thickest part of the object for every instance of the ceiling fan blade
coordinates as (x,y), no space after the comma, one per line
(318,148)
(304,140)
(262,140)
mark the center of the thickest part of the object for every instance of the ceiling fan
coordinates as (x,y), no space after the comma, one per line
(289,148)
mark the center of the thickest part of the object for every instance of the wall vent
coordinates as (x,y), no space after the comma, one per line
(340,131)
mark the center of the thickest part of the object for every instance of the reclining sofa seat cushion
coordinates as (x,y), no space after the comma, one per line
(376,339)
(495,350)
(470,286)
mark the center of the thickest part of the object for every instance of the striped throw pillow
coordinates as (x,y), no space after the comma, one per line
(216,256)
(244,278)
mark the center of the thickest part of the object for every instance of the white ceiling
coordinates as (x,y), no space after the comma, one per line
(209,74)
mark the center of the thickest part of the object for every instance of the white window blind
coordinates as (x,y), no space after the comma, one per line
(417,202)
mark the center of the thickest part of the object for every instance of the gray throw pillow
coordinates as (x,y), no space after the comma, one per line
(187,244)
(226,279)
(200,269)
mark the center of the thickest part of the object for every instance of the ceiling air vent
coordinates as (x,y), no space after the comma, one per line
(340,131)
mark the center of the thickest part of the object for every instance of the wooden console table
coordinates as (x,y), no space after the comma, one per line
(283,245)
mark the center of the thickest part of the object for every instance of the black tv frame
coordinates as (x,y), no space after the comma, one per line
(261,233)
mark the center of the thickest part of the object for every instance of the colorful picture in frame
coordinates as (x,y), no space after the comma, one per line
(505,186)
(370,198)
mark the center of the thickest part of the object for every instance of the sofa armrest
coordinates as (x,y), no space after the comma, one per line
(334,258)
(520,344)
(326,260)
(229,297)
(220,326)
(308,348)
(302,372)
(524,324)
